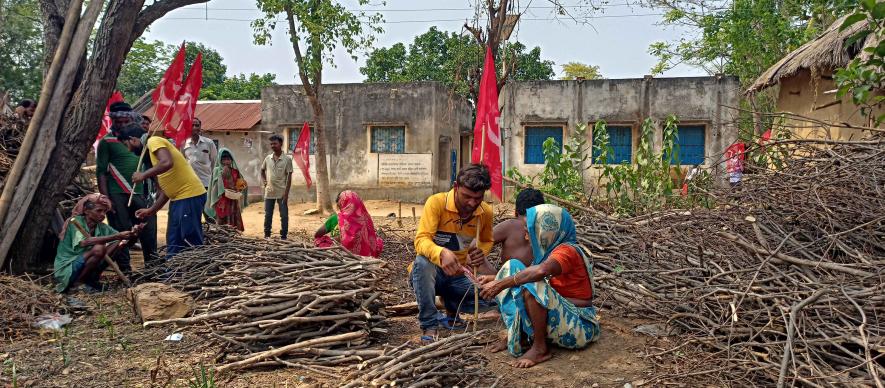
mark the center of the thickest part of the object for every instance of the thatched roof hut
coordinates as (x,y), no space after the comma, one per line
(821,56)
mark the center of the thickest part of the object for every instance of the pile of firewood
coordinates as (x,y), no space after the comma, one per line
(781,283)
(12,131)
(276,302)
(21,302)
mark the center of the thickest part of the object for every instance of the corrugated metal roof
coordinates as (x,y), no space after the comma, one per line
(239,115)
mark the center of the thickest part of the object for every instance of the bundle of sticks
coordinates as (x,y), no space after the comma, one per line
(12,132)
(21,302)
(782,283)
(277,303)
(455,361)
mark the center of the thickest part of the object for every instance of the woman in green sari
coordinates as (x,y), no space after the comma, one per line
(227,192)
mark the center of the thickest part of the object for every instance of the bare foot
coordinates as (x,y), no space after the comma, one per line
(531,358)
(498,345)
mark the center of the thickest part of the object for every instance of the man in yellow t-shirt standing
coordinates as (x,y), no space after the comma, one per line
(445,247)
(178,183)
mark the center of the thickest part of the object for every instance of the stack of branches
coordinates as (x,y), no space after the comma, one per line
(276,303)
(780,284)
(21,302)
(455,361)
(12,131)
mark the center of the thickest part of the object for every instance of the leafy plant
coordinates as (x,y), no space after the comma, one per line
(563,174)
(203,378)
(103,320)
(864,77)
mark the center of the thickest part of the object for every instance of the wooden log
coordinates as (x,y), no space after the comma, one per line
(288,349)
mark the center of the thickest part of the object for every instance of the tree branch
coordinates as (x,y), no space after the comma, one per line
(156,11)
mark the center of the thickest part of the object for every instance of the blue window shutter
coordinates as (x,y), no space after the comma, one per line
(620,139)
(388,140)
(691,139)
(534,142)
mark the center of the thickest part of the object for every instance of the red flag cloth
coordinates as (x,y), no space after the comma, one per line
(486,134)
(764,139)
(167,90)
(181,124)
(301,153)
(106,121)
(734,158)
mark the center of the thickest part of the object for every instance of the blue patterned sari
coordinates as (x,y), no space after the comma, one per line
(568,326)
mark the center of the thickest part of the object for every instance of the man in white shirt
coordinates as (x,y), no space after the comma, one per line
(201,152)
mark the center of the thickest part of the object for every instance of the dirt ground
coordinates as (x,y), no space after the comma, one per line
(105,347)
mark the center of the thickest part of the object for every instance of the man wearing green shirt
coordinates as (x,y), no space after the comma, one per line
(115,165)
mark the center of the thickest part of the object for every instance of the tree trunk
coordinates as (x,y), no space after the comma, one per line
(324,202)
(123,21)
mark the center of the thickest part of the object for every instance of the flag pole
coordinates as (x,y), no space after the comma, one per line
(482,152)
(144,150)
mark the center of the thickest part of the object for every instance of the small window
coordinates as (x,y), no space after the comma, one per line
(691,144)
(534,142)
(293,138)
(620,139)
(388,140)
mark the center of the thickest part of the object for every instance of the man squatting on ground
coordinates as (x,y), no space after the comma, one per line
(444,244)
(178,183)
(114,166)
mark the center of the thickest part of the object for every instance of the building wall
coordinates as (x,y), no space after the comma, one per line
(695,101)
(433,120)
(814,98)
(249,149)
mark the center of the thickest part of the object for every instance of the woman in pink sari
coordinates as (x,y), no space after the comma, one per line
(352,225)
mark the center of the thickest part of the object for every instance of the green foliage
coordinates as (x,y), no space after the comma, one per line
(864,77)
(107,323)
(239,87)
(453,59)
(21,49)
(575,70)
(203,378)
(647,184)
(563,174)
(147,61)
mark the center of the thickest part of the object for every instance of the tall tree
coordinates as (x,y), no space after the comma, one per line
(144,67)
(21,52)
(120,24)
(450,58)
(239,87)
(316,27)
(575,70)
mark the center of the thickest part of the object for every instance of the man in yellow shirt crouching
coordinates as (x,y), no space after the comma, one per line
(178,183)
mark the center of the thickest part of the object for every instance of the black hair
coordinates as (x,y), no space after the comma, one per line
(528,199)
(226,154)
(88,205)
(276,138)
(27,103)
(145,117)
(338,197)
(474,177)
(131,130)
(120,106)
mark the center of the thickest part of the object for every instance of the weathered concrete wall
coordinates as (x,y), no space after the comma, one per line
(249,149)
(812,97)
(426,109)
(695,100)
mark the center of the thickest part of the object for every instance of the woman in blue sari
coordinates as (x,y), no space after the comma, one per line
(552,298)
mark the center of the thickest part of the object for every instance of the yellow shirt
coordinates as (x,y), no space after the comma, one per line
(441,227)
(180,182)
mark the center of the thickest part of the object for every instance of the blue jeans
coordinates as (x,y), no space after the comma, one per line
(268,216)
(184,228)
(428,280)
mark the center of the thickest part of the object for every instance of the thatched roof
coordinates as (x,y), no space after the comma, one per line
(825,53)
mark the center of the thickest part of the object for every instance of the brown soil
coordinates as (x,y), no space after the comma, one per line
(105,347)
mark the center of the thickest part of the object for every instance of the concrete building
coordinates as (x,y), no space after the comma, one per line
(387,141)
(804,85)
(236,125)
(535,110)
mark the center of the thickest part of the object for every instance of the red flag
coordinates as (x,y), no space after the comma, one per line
(734,158)
(301,153)
(167,90)
(486,134)
(180,124)
(106,121)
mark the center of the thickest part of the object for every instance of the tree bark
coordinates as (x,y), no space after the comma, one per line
(121,24)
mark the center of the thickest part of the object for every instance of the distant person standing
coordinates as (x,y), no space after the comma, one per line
(201,153)
(276,177)
(25,110)
(179,186)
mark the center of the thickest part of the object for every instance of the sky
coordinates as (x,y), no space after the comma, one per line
(615,38)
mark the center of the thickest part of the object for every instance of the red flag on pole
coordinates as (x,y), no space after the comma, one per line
(180,124)
(301,153)
(486,134)
(106,119)
(734,158)
(167,90)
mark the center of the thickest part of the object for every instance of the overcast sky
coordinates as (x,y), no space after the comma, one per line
(615,38)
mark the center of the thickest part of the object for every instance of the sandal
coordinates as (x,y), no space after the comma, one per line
(453,323)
